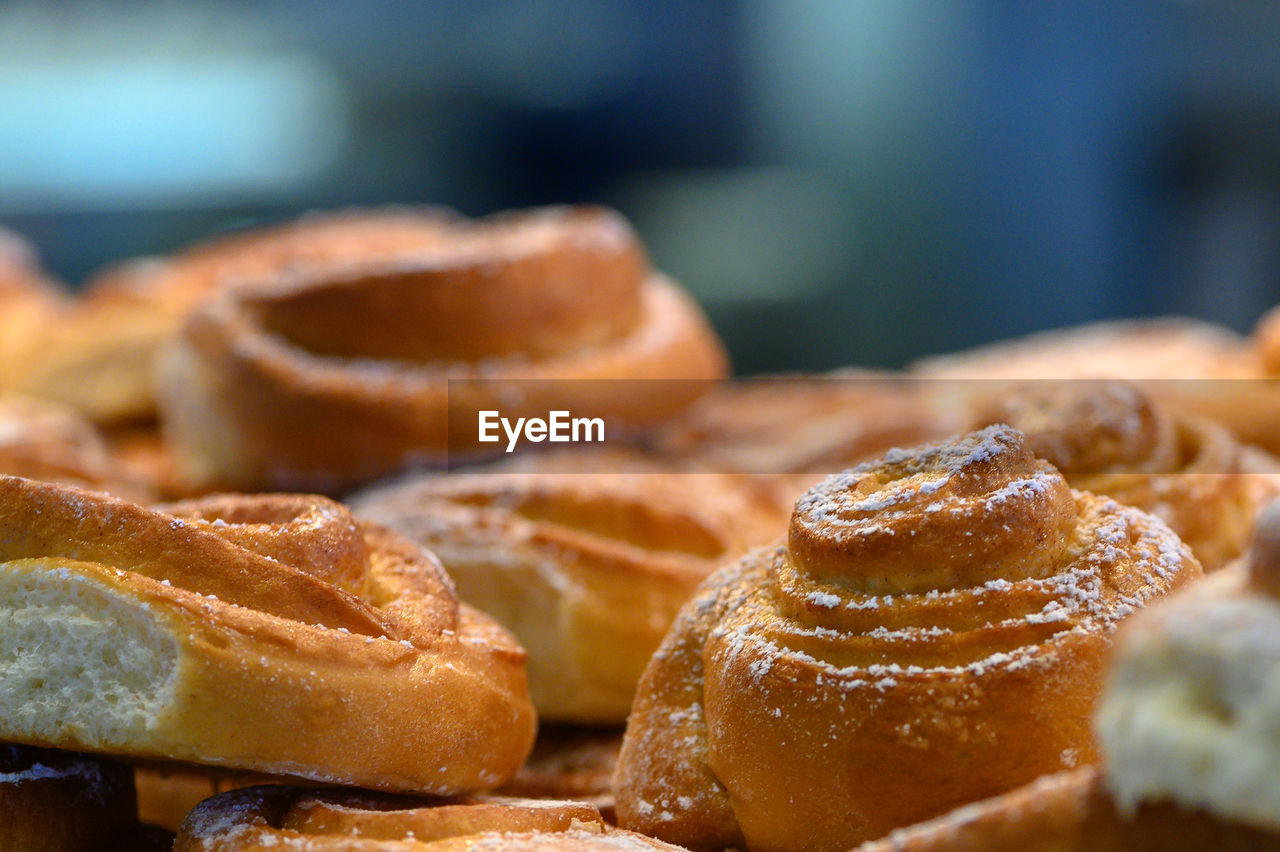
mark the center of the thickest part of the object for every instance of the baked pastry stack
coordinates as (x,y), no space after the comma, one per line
(316,820)
(324,379)
(934,631)
(587,569)
(1187,726)
(274,634)
(1113,438)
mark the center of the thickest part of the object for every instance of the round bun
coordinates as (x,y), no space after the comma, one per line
(934,632)
(321,381)
(55,801)
(272,634)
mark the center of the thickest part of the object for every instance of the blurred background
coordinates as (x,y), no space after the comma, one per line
(838,181)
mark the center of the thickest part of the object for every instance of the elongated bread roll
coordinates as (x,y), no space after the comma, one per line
(934,632)
(273,634)
(268,818)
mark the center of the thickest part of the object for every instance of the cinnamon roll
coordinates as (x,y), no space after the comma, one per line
(325,379)
(274,634)
(349,820)
(1113,438)
(933,632)
(587,569)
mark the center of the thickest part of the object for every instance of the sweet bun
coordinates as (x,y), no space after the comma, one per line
(1113,438)
(272,634)
(324,379)
(934,632)
(587,569)
(308,820)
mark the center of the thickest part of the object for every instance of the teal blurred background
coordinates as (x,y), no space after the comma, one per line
(857,182)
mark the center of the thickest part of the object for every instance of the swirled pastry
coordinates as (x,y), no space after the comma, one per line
(322,380)
(1113,438)
(933,632)
(1197,366)
(55,801)
(802,423)
(331,820)
(44,440)
(587,569)
(96,352)
(273,634)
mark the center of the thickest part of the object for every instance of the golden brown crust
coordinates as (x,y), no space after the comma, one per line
(934,632)
(317,820)
(44,440)
(587,569)
(1072,812)
(54,801)
(254,618)
(167,792)
(802,423)
(323,381)
(1115,439)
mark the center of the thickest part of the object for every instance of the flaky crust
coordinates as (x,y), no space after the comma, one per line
(587,569)
(218,630)
(1073,812)
(54,801)
(1115,439)
(268,818)
(934,632)
(325,381)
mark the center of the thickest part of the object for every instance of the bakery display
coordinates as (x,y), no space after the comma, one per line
(316,820)
(324,379)
(587,569)
(55,801)
(1113,438)
(273,633)
(934,632)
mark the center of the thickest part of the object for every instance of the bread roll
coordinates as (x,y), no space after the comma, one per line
(271,634)
(934,632)
(322,380)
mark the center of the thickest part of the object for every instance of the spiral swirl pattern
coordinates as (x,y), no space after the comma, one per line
(933,632)
(214,630)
